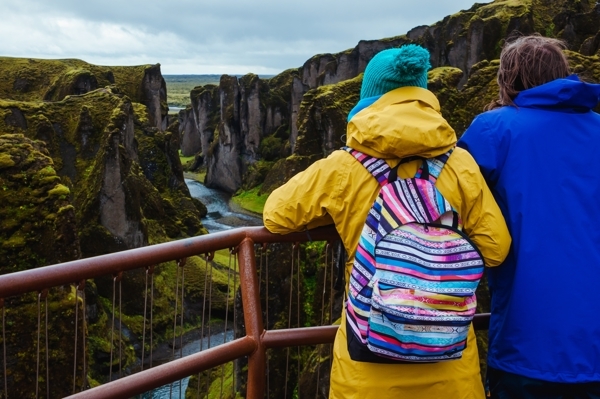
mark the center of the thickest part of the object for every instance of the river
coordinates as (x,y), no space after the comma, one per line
(219,217)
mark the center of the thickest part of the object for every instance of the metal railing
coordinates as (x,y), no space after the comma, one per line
(254,344)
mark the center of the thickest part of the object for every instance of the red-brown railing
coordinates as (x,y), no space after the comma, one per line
(254,344)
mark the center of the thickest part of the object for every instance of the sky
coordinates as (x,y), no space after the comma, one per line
(207,36)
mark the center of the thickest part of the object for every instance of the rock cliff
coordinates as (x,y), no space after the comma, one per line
(458,43)
(37,227)
(233,120)
(85,170)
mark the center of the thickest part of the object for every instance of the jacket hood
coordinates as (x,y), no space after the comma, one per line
(569,94)
(402,123)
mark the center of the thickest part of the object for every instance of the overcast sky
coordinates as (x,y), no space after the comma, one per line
(207,36)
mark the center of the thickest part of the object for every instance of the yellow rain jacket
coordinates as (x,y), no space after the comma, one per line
(403,122)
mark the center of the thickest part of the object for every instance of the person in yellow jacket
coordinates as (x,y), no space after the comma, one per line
(396,117)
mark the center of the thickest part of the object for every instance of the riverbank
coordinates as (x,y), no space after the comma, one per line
(247,207)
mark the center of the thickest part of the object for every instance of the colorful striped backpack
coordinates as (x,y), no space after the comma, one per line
(412,287)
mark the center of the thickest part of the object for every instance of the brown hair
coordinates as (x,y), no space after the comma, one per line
(526,62)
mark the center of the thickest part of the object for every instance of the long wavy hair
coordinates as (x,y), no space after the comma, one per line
(526,62)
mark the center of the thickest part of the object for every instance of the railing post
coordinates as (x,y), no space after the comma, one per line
(252,319)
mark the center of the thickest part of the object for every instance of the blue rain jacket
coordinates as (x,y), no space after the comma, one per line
(542,162)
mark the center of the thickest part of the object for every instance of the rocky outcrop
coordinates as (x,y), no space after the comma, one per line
(239,122)
(154,96)
(117,180)
(190,138)
(37,227)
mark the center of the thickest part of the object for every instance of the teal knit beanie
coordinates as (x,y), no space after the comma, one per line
(394,68)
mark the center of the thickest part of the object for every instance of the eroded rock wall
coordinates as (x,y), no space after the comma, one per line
(37,227)
(459,41)
(118,184)
(233,120)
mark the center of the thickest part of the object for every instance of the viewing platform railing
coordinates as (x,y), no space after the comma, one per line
(241,242)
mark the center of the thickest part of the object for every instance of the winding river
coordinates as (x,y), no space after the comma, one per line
(220,217)
(220,214)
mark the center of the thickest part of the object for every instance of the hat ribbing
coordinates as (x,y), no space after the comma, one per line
(394,68)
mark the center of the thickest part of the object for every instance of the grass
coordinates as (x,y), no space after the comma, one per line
(222,257)
(179,87)
(251,200)
(185,160)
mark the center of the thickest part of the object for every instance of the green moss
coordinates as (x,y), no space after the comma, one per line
(335,101)
(68,208)
(47,171)
(140,112)
(29,79)
(15,241)
(59,190)
(6,161)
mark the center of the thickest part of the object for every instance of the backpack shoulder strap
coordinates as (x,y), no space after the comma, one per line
(431,168)
(377,167)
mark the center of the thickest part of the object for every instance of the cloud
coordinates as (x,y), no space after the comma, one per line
(261,36)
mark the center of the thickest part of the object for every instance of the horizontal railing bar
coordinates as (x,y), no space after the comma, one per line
(299,336)
(73,272)
(326,334)
(175,370)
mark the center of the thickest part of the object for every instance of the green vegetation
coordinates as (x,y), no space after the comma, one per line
(215,383)
(186,161)
(180,86)
(251,200)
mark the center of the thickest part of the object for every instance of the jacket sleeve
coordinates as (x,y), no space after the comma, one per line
(485,225)
(302,202)
(463,185)
(481,142)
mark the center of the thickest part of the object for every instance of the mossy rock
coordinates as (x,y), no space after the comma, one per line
(37,218)
(322,118)
(37,228)
(285,169)
(31,79)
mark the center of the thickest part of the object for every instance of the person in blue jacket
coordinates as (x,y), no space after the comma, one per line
(538,146)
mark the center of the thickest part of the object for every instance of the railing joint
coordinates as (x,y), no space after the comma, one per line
(117,277)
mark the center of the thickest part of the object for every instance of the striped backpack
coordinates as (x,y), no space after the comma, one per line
(412,287)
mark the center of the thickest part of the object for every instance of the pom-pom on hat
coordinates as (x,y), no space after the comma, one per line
(394,68)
